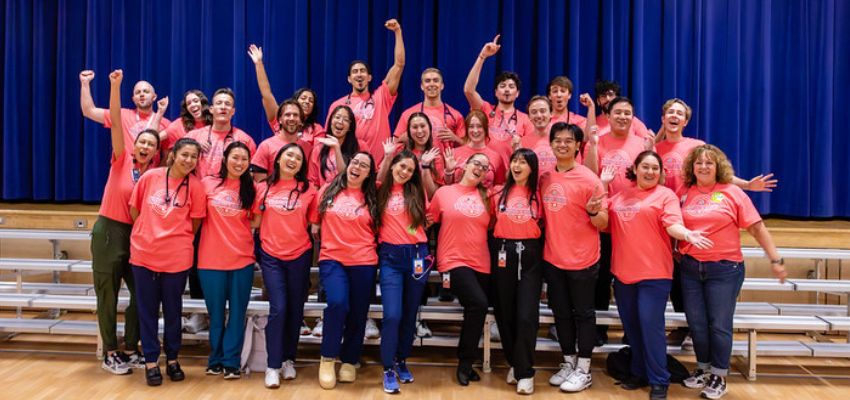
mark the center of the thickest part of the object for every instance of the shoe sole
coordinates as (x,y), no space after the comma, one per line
(693,387)
(212,373)
(232,377)
(114,372)
(272,386)
(585,387)
(705,396)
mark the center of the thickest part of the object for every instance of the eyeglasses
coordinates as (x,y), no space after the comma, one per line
(479,164)
(360,164)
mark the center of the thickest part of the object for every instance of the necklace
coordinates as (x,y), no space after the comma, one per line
(709,191)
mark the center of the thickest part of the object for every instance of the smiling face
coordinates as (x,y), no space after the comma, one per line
(705,169)
(605,98)
(648,172)
(419,130)
(237,162)
(507,91)
(476,169)
(222,108)
(621,117)
(193,105)
(358,170)
(475,131)
(520,170)
(290,162)
(403,170)
(290,119)
(143,95)
(540,114)
(560,97)
(432,85)
(340,123)
(307,101)
(359,77)
(564,145)
(675,119)
(186,159)
(145,148)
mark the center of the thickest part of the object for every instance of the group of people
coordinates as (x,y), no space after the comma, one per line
(514,200)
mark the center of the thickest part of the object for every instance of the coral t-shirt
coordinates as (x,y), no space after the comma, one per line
(519,218)
(396,224)
(162,235)
(347,234)
(571,240)
(372,113)
(570,118)
(209,163)
(638,127)
(132,123)
(226,241)
(175,131)
(498,164)
(287,215)
(123,176)
(638,219)
(503,127)
(542,148)
(314,170)
(268,149)
(672,156)
(720,214)
(444,116)
(621,153)
(462,241)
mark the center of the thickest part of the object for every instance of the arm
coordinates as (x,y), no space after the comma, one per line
(469,87)
(196,223)
(117,130)
(161,106)
(134,213)
(428,158)
(760,183)
(86,102)
(598,215)
(590,124)
(384,168)
(591,148)
(760,232)
(451,164)
(678,231)
(269,102)
(256,221)
(394,74)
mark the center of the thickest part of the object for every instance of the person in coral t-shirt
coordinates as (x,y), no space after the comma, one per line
(446,121)
(477,141)
(194,114)
(290,123)
(216,137)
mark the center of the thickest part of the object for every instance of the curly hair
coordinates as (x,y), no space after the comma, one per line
(631,173)
(724,173)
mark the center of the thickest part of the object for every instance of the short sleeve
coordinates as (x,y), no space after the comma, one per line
(384,98)
(671,212)
(746,213)
(139,192)
(434,209)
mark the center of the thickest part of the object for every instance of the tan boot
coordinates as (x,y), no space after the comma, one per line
(327,373)
(347,373)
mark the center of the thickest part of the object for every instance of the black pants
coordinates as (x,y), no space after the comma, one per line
(471,288)
(603,283)
(571,297)
(516,301)
(195,290)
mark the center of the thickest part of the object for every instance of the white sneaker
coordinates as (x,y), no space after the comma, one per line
(697,380)
(288,370)
(525,386)
(422,330)
(305,330)
(196,323)
(562,375)
(494,333)
(317,330)
(577,381)
(115,365)
(688,343)
(715,388)
(511,380)
(372,331)
(272,378)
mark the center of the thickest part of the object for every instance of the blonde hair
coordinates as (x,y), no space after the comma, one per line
(667,104)
(725,172)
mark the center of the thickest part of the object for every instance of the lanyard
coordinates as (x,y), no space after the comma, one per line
(168,198)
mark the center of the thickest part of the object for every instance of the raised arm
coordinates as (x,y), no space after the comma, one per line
(393,77)
(86,102)
(760,183)
(153,123)
(269,102)
(469,87)
(117,130)
(760,232)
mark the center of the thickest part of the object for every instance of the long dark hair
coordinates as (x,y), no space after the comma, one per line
(349,146)
(340,183)
(300,175)
(247,192)
(309,119)
(428,144)
(531,158)
(414,194)
(186,116)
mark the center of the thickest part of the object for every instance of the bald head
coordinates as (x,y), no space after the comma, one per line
(144,95)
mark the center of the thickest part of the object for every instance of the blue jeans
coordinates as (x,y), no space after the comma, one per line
(348,289)
(226,291)
(710,290)
(641,307)
(401,292)
(286,285)
(153,289)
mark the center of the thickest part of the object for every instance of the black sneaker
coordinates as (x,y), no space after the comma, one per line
(214,370)
(153,376)
(715,388)
(633,383)
(658,392)
(232,373)
(175,372)
(133,360)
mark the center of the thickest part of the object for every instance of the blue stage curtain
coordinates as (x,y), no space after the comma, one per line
(767,79)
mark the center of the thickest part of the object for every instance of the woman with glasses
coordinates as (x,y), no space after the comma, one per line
(477,142)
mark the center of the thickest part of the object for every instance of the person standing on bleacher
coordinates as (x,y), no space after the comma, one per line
(110,242)
(712,279)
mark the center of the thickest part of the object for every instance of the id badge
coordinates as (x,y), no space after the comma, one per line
(503,259)
(418,266)
(447,284)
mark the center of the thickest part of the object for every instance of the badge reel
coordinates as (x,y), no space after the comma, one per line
(502,257)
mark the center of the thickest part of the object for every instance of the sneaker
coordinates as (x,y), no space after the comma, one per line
(688,343)
(494,333)
(288,370)
(327,372)
(404,374)
(697,380)
(114,364)
(272,378)
(214,370)
(525,386)
(422,330)
(133,360)
(317,329)
(715,388)
(174,372)
(153,376)
(391,382)
(577,381)
(561,376)
(195,323)
(553,332)
(511,379)
(232,373)
(676,337)
(372,331)
(305,330)
(347,373)
(658,392)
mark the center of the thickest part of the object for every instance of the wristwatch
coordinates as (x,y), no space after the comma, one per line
(425,166)
(780,261)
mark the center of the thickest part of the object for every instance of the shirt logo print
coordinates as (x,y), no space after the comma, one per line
(555,197)
(628,209)
(470,205)
(226,203)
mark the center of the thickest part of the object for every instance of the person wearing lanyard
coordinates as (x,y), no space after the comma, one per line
(477,141)
(287,206)
(194,114)
(505,120)
(347,223)
(574,208)
(418,140)
(216,137)
(540,112)
(712,279)
(332,152)
(462,210)
(110,242)
(291,118)
(515,262)
(133,122)
(559,90)
(642,219)
(447,122)
(372,110)
(606,91)
(167,206)
(226,258)
(404,261)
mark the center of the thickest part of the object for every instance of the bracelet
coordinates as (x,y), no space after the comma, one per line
(425,166)
(780,261)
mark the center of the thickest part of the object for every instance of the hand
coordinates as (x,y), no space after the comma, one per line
(86,76)
(392,25)
(205,146)
(649,142)
(446,135)
(256,53)
(429,156)
(608,174)
(491,48)
(593,140)
(762,183)
(698,240)
(115,77)
(449,157)
(779,272)
(515,142)
(586,101)
(162,105)
(429,220)
(314,231)
(390,147)
(329,141)
(594,204)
